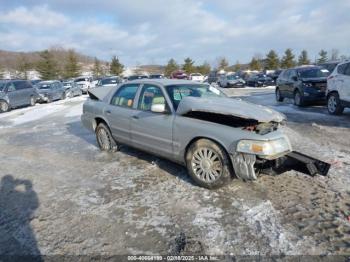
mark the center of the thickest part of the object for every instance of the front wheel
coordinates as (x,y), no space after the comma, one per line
(32,101)
(4,106)
(104,138)
(334,105)
(298,99)
(208,164)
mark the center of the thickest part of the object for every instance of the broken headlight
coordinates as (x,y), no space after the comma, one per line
(265,149)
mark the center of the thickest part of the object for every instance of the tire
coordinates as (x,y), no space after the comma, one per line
(334,104)
(63,96)
(104,138)
(4,106)
(279,97)
(298,99)
(208,164)
(49,100)
(32,101)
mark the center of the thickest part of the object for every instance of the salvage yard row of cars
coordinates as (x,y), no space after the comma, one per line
(315,83)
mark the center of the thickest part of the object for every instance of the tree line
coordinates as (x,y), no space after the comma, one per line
(50,68)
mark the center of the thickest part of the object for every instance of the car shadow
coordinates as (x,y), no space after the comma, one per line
(77,129)
(18,201)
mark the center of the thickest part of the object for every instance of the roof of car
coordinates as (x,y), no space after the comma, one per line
(165,81)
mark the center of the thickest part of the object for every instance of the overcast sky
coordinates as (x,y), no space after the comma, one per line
(152,31)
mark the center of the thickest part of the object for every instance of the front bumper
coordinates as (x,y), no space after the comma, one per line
(42,98)
(248,166)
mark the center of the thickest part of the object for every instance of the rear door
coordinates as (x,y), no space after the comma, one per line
(120,111)
(344,90)
(21,92)
(13,95)
(152,131)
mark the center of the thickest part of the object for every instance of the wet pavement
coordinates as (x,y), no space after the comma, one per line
(60,195)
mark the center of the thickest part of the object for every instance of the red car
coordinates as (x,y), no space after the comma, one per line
(179,74)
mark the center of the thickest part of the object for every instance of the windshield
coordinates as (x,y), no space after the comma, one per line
(177,92)
(67,84)
(81,80)
(233,77)
(44,86)
(313,72)
(110,81)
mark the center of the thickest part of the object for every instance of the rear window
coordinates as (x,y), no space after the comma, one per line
(341,68)
(313,73)
(2,86)
(110,81)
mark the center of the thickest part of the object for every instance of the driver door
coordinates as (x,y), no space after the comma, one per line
(152,131)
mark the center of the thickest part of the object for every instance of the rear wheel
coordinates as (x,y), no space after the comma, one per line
(208,164)
(104,138)
(279,97)
(334,104)
(63,96)
(32,101)
(298,99)
(4,106)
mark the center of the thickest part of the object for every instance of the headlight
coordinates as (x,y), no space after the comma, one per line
(307,84)
(266,149)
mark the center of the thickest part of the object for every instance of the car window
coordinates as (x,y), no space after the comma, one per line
(291,74)
(125,96)
(150,95)
(313,72)
(19,85)
(11,87)
(347,70)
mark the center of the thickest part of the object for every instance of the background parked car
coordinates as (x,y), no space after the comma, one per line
(232,80)
(156,76)
(16,93)
(134,77)
(179,74)
(84,83)
(34,82)
(330,65)
(275,75)
(304,84)
(196,77)
(109,81)
(338,89)
(72,89)
(259,80)
(50,91)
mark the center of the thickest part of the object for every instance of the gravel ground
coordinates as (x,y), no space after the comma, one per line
(60,195)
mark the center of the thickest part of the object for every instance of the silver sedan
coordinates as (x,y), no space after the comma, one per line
(193,124)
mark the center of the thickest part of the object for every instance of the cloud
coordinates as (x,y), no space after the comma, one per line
(156,30)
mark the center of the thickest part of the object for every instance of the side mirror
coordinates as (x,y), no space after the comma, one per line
(158,108)
(295,78)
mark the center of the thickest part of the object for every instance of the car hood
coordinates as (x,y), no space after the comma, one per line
(229,106)
(314,79)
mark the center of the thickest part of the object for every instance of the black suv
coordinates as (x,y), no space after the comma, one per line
(304,84)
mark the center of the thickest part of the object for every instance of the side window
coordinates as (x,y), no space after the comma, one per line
(125,96)
(20,85)
(150,95)
(292,74)
(11,87)
(341,68)
(347,70)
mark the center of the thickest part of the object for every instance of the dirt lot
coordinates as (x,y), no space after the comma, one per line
(60,195)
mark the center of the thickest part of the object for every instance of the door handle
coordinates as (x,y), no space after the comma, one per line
(135,117)
(108,112)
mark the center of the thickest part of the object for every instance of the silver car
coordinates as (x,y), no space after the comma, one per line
(50,91)
(16,93)
(193,124)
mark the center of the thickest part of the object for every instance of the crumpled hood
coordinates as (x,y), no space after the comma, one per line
(229,106)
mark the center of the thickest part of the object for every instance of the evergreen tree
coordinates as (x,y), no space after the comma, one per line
(1,72)
(116,68)
(204,69)
(288,59)
(223,64)
(303,58)
(23,67)
(188,66)
(97,70)
(334,54)
(323,57)
(170,67)
(237,67)
(255,64)
(71,68)
(272,60)
(47,66)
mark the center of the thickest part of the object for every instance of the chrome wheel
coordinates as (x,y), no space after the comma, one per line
(4,107)
(332,104)
(206,165)
(32,101)
(103,139)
